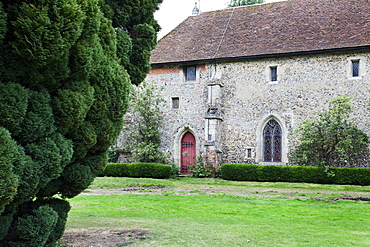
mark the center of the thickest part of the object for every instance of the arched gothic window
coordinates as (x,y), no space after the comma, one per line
(272,142)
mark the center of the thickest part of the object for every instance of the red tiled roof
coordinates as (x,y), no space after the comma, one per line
(267,29)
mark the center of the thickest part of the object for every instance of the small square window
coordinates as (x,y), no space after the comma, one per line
(355,68)
(175,103)
(273,73)
(249,153)
(190,73)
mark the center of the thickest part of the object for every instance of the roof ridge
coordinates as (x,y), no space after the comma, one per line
(288,27)
(223,35)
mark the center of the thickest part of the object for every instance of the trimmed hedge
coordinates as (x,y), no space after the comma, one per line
(306,174)
(137,170)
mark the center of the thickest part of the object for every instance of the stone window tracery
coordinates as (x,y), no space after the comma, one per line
(272,141)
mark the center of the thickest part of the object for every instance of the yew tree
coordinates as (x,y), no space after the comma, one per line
(65,73)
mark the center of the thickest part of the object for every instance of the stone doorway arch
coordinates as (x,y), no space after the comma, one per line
(179,137)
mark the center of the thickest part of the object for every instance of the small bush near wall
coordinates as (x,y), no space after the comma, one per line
(137,170)
(306,174)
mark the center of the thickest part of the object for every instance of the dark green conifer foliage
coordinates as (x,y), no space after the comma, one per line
(136,17)
(65,74)
(9,180)
(2,22)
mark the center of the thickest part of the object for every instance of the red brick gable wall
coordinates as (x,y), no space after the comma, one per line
(163,71)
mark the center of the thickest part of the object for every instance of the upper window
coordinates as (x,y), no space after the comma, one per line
(190,73)
(355,68)
(273,73)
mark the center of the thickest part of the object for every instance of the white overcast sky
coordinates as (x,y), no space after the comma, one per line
(172,12)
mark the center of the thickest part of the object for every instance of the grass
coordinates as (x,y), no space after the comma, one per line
(115,182)
(214,212)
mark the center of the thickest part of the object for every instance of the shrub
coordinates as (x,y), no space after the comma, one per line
(306,174)
(239,172)
(331,138)
(137,170)
(202,170)
(144,132)
(175,170)
(272,173)
(113,155)
(360,176)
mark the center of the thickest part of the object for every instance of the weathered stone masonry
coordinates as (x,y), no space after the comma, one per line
(229,104)
(238,81)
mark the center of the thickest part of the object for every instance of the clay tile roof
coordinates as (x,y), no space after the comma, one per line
(266,30)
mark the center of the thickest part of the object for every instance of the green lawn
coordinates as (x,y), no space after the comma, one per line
(211,212)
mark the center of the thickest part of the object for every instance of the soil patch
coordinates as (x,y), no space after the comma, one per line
(138,188)
(352,198)
(355,198)
(102,237)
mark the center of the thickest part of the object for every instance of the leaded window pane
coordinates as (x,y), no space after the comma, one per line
(272,142)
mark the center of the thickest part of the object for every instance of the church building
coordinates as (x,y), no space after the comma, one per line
(238,81)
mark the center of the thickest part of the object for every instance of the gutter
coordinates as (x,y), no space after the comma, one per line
(273,55)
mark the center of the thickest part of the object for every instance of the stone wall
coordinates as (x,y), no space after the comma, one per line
(246,99)
(190,114)
(305,86)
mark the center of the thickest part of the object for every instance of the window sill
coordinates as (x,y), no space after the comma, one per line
(355,78)
(190,82)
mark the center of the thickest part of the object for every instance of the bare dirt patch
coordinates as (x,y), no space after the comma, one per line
(102,237)
(127,190)
(351,198)
(192,190)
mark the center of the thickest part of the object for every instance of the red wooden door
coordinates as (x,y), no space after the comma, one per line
(188,152)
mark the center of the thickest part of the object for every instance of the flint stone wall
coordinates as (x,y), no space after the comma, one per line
(248,99)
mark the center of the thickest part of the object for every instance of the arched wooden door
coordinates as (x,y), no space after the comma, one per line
(272,142)
(188,152)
